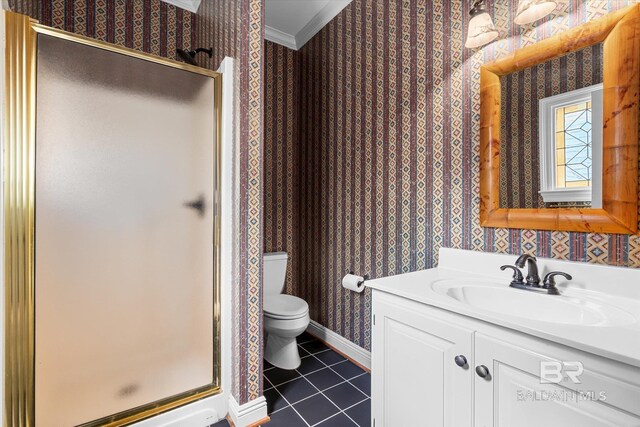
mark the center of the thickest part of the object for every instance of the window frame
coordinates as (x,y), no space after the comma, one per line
(547,144)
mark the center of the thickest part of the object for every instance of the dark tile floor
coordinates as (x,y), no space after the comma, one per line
(326,390)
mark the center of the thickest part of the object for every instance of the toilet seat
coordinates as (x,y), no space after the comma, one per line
(284,307)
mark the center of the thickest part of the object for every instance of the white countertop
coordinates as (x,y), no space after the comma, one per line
(615,286)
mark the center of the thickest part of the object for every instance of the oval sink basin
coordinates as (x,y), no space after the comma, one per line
(532,305)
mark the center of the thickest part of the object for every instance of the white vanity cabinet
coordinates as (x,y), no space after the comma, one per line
(417,382)
(607,394)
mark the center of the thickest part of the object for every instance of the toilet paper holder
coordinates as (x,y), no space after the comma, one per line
(365,277)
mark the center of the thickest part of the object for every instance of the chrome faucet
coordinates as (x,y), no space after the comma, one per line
(533,279)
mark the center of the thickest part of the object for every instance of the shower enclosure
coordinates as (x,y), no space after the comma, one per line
(111,231)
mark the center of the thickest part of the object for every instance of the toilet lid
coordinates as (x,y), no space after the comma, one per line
(285,306)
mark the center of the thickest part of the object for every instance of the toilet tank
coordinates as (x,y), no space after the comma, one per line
(275,272)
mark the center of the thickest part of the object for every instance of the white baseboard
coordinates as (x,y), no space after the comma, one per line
(340,343)
(249,413)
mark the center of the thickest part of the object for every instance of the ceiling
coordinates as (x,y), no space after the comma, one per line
(190,5)
(292,23)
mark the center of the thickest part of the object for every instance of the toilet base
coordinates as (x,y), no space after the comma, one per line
(282,352)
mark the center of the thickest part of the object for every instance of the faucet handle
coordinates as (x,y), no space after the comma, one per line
(518,279)
(549,282)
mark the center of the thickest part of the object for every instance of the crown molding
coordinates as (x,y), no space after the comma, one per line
(190,5)
(280,37)
(321,19)
(307,32)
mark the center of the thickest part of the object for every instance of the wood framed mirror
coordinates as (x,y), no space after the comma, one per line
(617,207)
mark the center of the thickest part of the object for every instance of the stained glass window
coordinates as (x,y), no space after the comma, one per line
(573,138)
(571,146)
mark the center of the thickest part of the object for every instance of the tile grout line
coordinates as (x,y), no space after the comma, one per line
(324,367)
(342,411)
(264,377)
(320,392)
(308,373)
(362,391)
(297,401)
(346,380)
(315,394)
(304,342)
(269,381)
(301,375)
(333,403)
(289,405)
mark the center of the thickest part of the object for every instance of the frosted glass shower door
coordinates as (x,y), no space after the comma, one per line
(124,265)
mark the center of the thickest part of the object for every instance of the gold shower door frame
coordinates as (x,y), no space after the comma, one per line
(19,224)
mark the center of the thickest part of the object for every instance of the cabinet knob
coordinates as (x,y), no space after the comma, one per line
(483,372)
(460,361)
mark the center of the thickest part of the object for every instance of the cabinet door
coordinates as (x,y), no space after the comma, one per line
(415,379)
(513,394)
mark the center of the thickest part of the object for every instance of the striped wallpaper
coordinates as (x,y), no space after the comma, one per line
(282,155)
(388,143)
(151,26)
(218,25)
(233,28)
(521,92)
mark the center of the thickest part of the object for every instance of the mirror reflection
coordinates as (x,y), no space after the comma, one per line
(551,133)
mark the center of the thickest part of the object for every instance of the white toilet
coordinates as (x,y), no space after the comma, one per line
(285,316)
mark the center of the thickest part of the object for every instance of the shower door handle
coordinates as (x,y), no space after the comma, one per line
(198,204)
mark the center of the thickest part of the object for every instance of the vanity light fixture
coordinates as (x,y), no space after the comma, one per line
(481,29)
(532,10)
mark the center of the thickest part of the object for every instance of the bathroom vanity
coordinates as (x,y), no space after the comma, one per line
(457,346)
